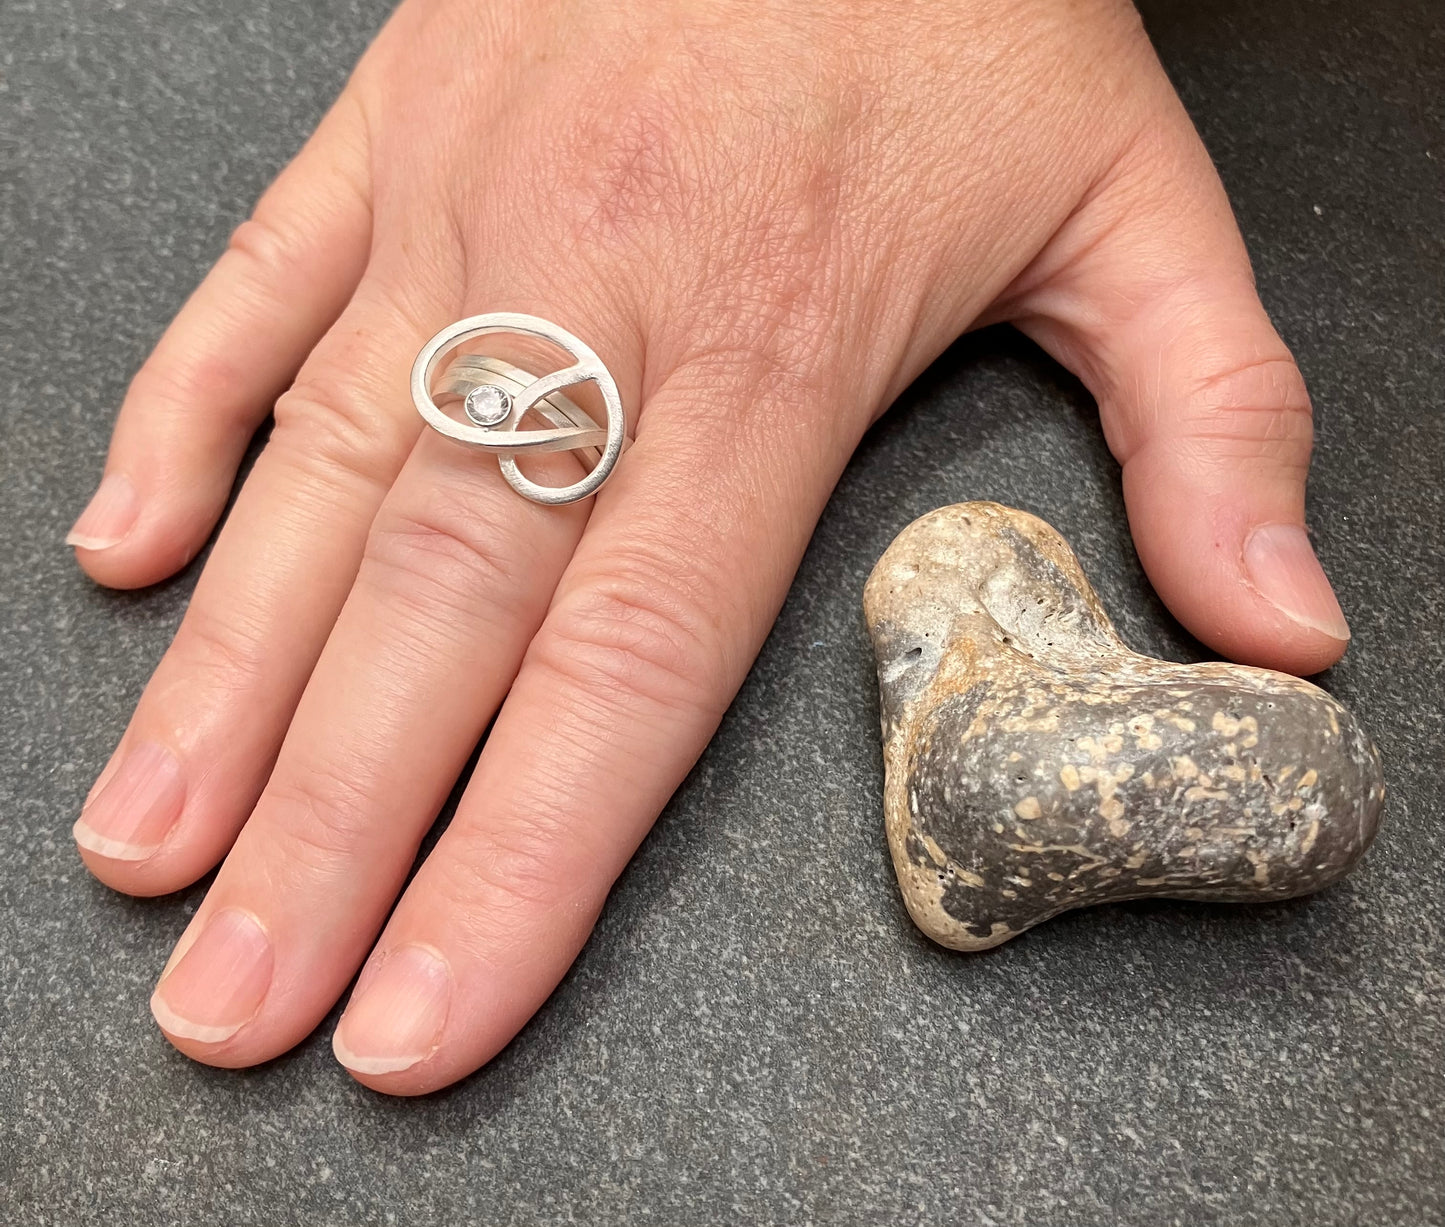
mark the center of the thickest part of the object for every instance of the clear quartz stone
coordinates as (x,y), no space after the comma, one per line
(487,404)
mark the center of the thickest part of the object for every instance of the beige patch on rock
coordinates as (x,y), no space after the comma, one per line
(1183,723)
(1227,726)
(1102,748)
(1112,810)
(1184,767)
(1145,738)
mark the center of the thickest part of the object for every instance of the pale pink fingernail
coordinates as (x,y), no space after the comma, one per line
(1282,565)
(136,803)
(396,1016)
(108,516)
(219,983)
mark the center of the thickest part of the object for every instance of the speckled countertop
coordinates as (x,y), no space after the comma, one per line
(756,1033)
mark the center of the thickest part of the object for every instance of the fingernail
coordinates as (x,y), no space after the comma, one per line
(396,1016)
(108,516)
(131,812)
(218,984)
(1282,566)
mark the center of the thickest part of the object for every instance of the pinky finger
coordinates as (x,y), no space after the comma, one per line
(235,346)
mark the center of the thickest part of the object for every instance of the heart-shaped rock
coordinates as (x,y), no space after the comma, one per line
(1036,764)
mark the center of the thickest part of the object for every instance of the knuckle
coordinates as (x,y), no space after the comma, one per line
(330,428)
(432,556)
(321,816)
(263,249)
(1271,384)
(1257,408)
(638,631)
(505,870)
(220,647)
(503,881)
(179,379)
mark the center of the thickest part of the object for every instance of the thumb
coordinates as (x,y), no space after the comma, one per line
(1147,294)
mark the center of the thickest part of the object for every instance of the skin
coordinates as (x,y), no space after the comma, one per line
(767,219)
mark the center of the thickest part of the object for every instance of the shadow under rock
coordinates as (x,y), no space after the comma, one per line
(1121,958)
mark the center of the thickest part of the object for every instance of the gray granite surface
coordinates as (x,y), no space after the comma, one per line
(756,1033)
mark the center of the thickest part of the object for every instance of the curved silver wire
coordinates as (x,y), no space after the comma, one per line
(572,429)
(582,434)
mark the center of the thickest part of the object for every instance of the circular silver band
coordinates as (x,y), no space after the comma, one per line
(515,393)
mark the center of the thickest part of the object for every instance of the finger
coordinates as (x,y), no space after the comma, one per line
(1147,293)
(680,573)
(193,407)
(207,729)
(455,579)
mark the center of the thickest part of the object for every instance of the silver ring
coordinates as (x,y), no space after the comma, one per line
(496,396)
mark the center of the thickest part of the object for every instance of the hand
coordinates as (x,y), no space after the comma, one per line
(767,219)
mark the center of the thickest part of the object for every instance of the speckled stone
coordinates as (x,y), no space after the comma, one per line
(1036,764)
